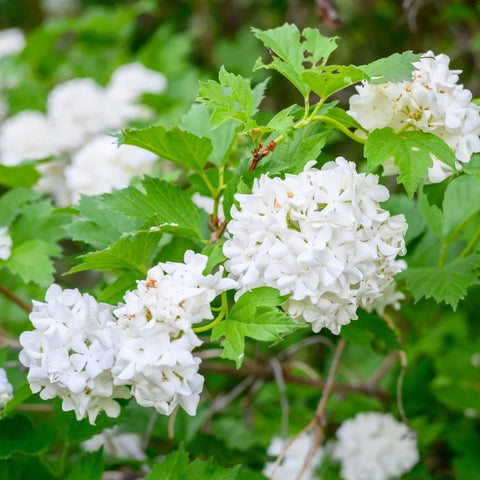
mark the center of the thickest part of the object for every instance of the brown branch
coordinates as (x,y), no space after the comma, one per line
(265,372)
(259,153)
(11,296)
(318,420)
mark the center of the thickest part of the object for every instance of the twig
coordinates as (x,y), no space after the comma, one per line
(280,381)
(386,365)
(223,400)
(259,153)
(318,420)
(15,299)
(171,424)
(306,342)
(259,370)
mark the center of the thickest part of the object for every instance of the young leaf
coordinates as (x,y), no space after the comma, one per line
(411,152)
(395,68)
(254,315)
(197,121)
(31,261)
(175,145)
(98,226)
(12,202)
(168,205)
(291,51)
(18,176)
(325,81)
(177,467)
(448,284)
(231,98)
(133,251)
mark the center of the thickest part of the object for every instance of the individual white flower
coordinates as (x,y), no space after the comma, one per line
(129,82)
(118,445)
(6,389)
(101,165)
(5,244)
(432,102)
(320,236)
(78,110)
(294,458)
(374,446)
(153,335)
(70,353)
(25,136)
(12,41)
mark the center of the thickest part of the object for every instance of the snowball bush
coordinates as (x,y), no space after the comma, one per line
(374,446)
(320,236)
(432,101)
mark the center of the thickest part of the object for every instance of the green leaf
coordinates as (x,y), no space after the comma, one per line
(254,315)
(371,332)
(292,50)
(90,466)
(215,256)
(175,145)
(291,156)
(13,201)
(18,435)
(432,215)
(114,292)
(343,117)
(230,98)
(177,467)
(411,152)
(461,201)
(397,204)
(395,68)
(97,225)
(163,203)
(132,251)
(448,284)
(325,81)
(18,176)
(31,262)
(197,121)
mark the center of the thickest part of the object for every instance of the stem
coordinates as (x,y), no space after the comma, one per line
(470,244)
(15,299)
(402,129)
(210,187)
(219,317)
(340,127)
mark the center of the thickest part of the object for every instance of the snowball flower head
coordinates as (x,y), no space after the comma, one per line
(6,389)
(294,458)
(129,82)
(70,353)
(320,236)
(78,110)
(432,102)
(374,446)
(118,445)
(101,165)
(5,244)
(25,136)
(153,335)
(12,41)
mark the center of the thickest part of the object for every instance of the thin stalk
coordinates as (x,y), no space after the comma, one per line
(219,318)
(340,127)
(470,244)
(15,299)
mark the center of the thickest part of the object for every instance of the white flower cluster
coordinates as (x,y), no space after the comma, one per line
(12,41)
(70,353)
(432,102)
(320,236)
(116,444)
(374,446)
(294,458)
(154,338)
(6,389)
(5,244)
(81,353)
(79,113)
